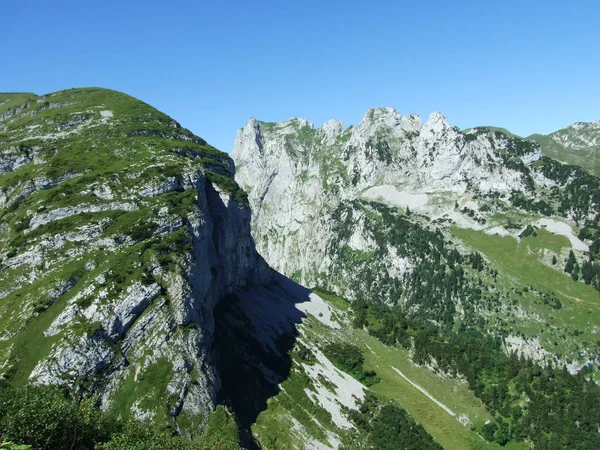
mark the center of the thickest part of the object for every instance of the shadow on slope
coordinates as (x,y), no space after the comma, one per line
(255,328)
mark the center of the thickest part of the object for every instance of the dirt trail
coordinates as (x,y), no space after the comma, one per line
(425,393)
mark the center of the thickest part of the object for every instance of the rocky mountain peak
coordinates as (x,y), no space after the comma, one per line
(331,129)
(411,123)
(251,136)
(295,123)
(584,125)
(380,116)
(437,123)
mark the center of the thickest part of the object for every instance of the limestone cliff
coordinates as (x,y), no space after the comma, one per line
(385,210)
(296,176)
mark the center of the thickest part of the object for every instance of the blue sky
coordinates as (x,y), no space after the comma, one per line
(529,66)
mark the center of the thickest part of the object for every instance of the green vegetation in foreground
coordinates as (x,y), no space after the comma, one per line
(48,417)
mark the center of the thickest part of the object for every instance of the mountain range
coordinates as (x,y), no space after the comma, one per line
(397,284)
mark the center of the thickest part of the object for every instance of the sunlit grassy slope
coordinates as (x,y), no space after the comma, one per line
(289,407)
(574,325)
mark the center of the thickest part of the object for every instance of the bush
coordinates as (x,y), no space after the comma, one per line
(348,357)
(49,418)
(46,417)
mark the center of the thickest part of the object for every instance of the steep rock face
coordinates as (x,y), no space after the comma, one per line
(121,232)
(296,176)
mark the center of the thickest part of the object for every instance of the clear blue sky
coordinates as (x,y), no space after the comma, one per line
(529,66)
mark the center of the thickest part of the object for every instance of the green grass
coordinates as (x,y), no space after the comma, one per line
(27,349)
(221,427)
(273,425)
(588,158)
(521,260)
(10,100)
(521,266)
(336,301)
(445,429)
(272,428)
(149,385)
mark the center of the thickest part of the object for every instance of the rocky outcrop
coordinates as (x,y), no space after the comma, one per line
(296,177)
(112,267)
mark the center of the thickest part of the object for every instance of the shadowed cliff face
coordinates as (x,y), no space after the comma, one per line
(256,329)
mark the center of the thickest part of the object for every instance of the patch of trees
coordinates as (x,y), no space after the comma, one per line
(388,426)
(528,231)
(349,358)
(382,149)
(580,191)
(49,417)
(588,271)
(439,275)
(572,267)
(522,201)
(547,405)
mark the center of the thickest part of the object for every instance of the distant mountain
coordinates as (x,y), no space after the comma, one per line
(578,144)
(500,129)
(325,202)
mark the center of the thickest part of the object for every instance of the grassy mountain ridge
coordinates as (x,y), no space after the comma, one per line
(110,256)
(494,129)
(11,100)
(577,144)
